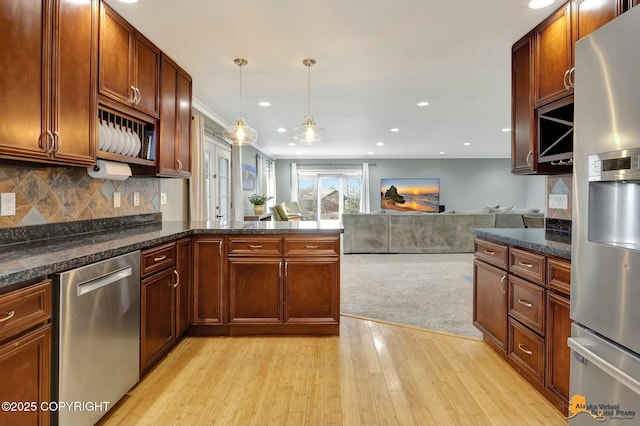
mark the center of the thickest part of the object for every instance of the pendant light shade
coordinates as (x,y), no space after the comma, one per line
(240,133)
(309,133)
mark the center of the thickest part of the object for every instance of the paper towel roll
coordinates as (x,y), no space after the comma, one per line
(109,170)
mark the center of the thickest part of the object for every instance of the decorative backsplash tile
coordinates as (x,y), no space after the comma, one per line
(63,194)
(560,186)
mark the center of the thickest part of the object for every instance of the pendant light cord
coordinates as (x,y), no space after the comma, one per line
(309,89)
(240,66)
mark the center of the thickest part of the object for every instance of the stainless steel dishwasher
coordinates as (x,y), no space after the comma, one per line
(96,348)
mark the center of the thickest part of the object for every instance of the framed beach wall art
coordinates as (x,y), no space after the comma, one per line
(410,194)
(248,177)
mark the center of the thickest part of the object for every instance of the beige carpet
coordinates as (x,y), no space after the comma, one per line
(433,291)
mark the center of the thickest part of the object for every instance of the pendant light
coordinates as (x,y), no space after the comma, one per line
(240,133)
(309,133)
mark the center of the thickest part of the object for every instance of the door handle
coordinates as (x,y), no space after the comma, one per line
(177,278)
(133,99)
(524,349)
(8,316)
(105,280)
(525,303)
(502,288)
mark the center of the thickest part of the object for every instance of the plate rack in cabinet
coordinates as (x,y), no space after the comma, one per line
(125,138)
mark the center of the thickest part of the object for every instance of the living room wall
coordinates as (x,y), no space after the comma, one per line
(464,183)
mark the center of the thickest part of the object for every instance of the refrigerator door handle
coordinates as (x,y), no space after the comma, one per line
(581,345)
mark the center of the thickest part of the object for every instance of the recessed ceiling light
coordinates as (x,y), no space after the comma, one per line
(128,1)
(292,144)
(395,129)
(380,143)
(423,103)
(370,152)
(264,104)
(539,4)
(506,130)
(467,143)
(442,152)
(298,153)
(282,130)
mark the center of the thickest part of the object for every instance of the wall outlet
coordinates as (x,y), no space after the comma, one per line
(116,200)
(559,201)
(8,204)
(136,199)
(163,198)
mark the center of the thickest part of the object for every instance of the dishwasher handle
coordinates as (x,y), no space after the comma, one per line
(581,345)
(105,280)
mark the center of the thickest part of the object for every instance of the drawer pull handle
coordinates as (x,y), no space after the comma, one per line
(312,247)
(8,316)
(158,259)
(491,252)
(255,246)
(525,303)
(525,264)
(524,349)
(502,289)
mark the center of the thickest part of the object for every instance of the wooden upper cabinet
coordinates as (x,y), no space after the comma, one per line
(174,154)
(553,56)
(129,64)
(47,57)
(589,15)
(523,140)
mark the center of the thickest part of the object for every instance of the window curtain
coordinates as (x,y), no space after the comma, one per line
(365,205)
(294,182)
(260,176)
(237,196)
(270,170)
(197,196)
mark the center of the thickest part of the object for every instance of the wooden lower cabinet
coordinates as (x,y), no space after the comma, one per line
(529,323)
(185,285)
(25,354)
(255,291)
(558,354)
(158,315)
(490,303)
(311,291)
(208,281)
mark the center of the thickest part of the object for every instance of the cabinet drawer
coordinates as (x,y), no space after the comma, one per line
(527,350)
(559,276)
(526,303)
(252,246)
(312,246)
(491,252)
(527,265)
(158,258)
(24,308)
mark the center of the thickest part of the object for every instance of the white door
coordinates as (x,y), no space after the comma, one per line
(217,169)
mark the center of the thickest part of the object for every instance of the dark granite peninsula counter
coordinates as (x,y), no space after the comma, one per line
(34,252)
(535,239)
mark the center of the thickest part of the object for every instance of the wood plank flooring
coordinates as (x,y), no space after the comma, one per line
(372,374)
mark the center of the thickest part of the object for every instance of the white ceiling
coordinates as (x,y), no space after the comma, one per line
(375,60)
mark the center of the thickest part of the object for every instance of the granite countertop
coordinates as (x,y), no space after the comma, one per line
(527,238)
(34,254)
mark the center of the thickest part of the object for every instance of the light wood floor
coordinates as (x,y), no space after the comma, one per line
(372,374)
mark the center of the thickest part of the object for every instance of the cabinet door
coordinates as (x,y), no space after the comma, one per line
(183,294)
(312,290)
(167,164)
(558,353)
(490,302)
(157,325)
(208,284)
(255,291)
(553,57)
(25,79)
(25,365)
(589,15)
(117,49)
(183,143)
(523,147)
(74,95)
(147,75)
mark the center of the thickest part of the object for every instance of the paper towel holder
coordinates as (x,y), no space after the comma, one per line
(109,170)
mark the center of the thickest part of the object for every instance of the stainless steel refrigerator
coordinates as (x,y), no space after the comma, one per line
(605,280)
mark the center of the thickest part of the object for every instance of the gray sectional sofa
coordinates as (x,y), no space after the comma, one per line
(421,232)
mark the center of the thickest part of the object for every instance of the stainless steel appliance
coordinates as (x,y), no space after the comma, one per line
(96,350)
(605,280)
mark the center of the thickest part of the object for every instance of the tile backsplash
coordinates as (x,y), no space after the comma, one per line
(62,194)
